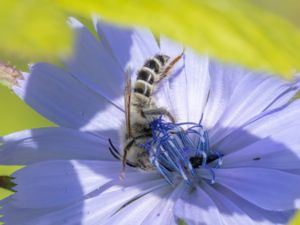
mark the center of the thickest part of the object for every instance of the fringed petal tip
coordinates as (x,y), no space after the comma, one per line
(73,22)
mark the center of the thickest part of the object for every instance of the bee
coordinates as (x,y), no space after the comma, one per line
(141,109)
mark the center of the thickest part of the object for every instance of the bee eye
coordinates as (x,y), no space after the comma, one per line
(152,64)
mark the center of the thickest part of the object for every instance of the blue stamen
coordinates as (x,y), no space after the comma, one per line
(213,176)
(174,150)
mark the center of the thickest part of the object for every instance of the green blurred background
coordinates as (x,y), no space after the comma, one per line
(15,115)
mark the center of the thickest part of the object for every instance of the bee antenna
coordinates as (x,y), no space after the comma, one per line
(113,153)
(113,150)
(171,64)
(116,153)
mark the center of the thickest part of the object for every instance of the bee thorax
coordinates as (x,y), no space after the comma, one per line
(139,101)
(139,124)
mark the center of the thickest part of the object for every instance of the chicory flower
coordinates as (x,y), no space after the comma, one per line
(232,157)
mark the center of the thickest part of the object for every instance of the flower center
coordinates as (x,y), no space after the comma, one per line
(181,150)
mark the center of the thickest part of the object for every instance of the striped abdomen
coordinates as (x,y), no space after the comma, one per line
(149,75)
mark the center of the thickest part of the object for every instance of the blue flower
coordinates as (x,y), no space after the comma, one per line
(232,157)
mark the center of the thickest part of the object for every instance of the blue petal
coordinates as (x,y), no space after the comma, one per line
(93,65)
(255,94)
(13,215)
(259,215)
(97,206)
(279,150)
(198,84)
(30,146)
(163,213)
(137,211)
(186,88)
(224,79)
(64,100)
(270,124)
(230,214)
(130,46)
(196,207)
(60,182)
(266,188)
(237,96)
(174,87)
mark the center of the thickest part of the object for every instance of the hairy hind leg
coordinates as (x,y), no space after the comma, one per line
(159,111)
(127,147)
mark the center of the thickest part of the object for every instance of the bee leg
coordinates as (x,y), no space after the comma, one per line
(159,111)
(144,135)
(126,149)
(115,153)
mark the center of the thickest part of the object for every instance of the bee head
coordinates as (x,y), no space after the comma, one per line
(163,59)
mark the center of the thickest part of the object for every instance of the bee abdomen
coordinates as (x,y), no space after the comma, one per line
(149,75)
(157,63)
(143,88)
(146,75)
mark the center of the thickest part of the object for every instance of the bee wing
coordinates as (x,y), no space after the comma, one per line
(127,99)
